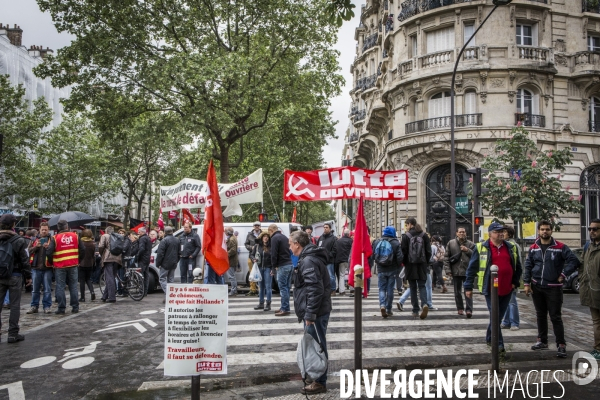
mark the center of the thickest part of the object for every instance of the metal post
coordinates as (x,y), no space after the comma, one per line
(495,319)
(452,147)
(358,293)
(198,279)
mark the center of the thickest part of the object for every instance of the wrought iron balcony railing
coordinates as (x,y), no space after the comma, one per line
(389,23)
(370,41)
(592,6)
(443,122)
(360,115)
(411,8)
(353,137)
(527,119)
(594,126)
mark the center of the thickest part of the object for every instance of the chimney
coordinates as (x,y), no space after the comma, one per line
(39,51)
(45,52)
(15,35)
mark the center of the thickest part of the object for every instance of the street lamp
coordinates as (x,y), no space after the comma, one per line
(497,3)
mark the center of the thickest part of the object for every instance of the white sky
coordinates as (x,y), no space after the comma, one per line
(38,30)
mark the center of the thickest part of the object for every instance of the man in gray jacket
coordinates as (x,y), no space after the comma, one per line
(167,256)
(456,261)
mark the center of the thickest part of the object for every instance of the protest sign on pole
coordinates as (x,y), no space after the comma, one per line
(195,330)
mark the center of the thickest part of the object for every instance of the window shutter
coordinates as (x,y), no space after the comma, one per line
(469,29)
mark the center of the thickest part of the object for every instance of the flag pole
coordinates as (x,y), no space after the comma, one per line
(358,293)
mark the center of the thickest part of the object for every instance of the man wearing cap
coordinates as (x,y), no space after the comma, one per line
(14,272)
(494,251)
(249,243)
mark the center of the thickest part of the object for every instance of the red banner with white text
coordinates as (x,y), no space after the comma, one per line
(345,183)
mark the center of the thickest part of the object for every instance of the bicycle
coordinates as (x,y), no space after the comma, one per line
(133,281)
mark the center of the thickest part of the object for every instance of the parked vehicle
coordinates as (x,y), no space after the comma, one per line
(572,281)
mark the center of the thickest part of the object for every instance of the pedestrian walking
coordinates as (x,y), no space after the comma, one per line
(437,264)
(589,281)
(14,268)
(190,247)
(387,254)
(548,263)
(494,251)
(251,241)
(69,251)
(416,250)
(167,257)
(343,246)
(327,241)
(281,261)
(86,266)
(232,252)
(41,271)
(456,260)
(511,317)
(143,256)
(110,264)
(262,257)
(312,301)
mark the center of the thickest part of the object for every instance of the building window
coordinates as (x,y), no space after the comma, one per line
(440,40)
(525,102)
(439,105)
(595,114)
(526,35)
(594,43)
(468,32)
(470,103)
(413,45)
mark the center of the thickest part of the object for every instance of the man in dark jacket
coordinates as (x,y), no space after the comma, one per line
(547,265)
(189,247)
(312,302)
(343,246)
(282,263)
(388,268)
(503,254)
(20,270)
(167,256)
(416,272)
(327,241)
(41,269)
(456,260)
(143,256)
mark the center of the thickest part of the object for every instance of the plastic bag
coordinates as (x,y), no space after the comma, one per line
(310,356)
(255,275)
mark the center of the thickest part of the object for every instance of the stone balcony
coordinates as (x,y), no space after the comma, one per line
(442,122)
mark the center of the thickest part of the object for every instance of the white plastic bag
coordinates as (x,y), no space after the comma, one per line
(255,275)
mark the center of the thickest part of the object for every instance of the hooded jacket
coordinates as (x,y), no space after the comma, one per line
(20,258)
(389,234)
(312,290)
(328,243)
(544,268)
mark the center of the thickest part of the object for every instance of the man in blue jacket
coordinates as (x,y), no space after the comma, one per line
(548,263)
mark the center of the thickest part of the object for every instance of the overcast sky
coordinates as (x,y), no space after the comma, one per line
(38,30)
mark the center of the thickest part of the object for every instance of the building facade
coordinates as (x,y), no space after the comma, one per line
(536,62)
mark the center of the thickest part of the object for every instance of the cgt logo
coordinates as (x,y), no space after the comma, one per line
(66,240)
(584,368)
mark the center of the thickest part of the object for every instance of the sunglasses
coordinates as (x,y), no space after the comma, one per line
(592,229)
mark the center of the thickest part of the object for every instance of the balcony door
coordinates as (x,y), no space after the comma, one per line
(439,105)
(594,114)
(527,102)
(589,184)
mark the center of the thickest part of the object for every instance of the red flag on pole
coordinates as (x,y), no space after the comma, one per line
(161,221)
(213,246)
(138,226)
(361,248)
(197,218)
(294,215)
(187,215)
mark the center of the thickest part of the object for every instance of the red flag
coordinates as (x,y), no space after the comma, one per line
(361,248)
(197,218)
(187,215)
(161,221)
(294,215)
(138,226)
(101,232)
(213,246)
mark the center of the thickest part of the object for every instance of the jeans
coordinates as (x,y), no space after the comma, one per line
(120,270)
(331,270)
(320,327)
(511,317)
(211,277)
(186,274)
(405,296)
(458,282)
(417,290)
(284,279)
(41,277)
(428,288)
(109,279)
(265,285)
(502,307)
(166,276)
(437,273)
(386,282)
(61,275)
(549,301)
(232,279)
(12,288)
(342,269)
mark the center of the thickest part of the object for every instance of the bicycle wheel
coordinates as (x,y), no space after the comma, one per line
(135,286)
(102,283)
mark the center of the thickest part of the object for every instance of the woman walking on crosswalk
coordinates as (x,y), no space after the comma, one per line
(262,255)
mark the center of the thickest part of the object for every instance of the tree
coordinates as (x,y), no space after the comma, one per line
(225,67)
(22,127)
(524,182)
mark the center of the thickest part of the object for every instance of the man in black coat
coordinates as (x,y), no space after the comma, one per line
(312,302)
(281,261)
(190,246)
(327,241)
(167,257)
(143,256)
(416,272)
(343,246)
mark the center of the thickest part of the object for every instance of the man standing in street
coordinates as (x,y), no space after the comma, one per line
(494,251)
(548,263)
(416,250)
(456,261)
(66,249)
(511,318)
(589,281)
(327,241)
(111,264)
(343,246)
(41,271)
(249,243)
(232,252)
(189,247)
(143,256)
(167,257)
(388,256)
(13,269)
(312,302)
(281,261)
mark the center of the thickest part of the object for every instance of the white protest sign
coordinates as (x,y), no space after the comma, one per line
(195,330)
(191,193)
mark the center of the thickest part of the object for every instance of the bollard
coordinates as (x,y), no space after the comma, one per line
(198,279)
(358,293)
(495,318)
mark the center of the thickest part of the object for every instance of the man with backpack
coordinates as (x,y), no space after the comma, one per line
(388,256)
(416,248)
(14,267)
(111,262)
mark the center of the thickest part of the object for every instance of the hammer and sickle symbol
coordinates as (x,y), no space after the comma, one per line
(293,189)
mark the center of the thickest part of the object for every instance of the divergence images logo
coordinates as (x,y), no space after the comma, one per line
(584,368)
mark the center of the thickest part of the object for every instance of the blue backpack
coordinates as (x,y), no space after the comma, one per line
(383,254)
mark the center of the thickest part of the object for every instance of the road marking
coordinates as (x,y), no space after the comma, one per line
(78,362)
(148,312)
(15,390)
(154,385)
(38,362)
(63,319)
(133,323)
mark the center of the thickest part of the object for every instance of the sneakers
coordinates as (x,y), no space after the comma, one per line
(267,307)
(15,339)
(424,312)
(432,308)
(59,312)
(260,306)
(539,346)
(32,310)
(389,313)
(47,310)
(313,388)
(504,326)
(561,351)
(400,306)
(383,312)
(415,315)
(514,328)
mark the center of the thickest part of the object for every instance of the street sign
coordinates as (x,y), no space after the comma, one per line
(195,330)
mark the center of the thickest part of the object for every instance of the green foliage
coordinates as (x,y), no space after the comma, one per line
(340,11)
(536,194)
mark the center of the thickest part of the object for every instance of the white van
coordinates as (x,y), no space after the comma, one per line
(243,228)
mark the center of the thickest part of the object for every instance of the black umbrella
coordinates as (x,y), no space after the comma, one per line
(74,218)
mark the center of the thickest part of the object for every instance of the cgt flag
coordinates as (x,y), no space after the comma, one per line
(161,221)
(187,215)
(213,245)
(361,248)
